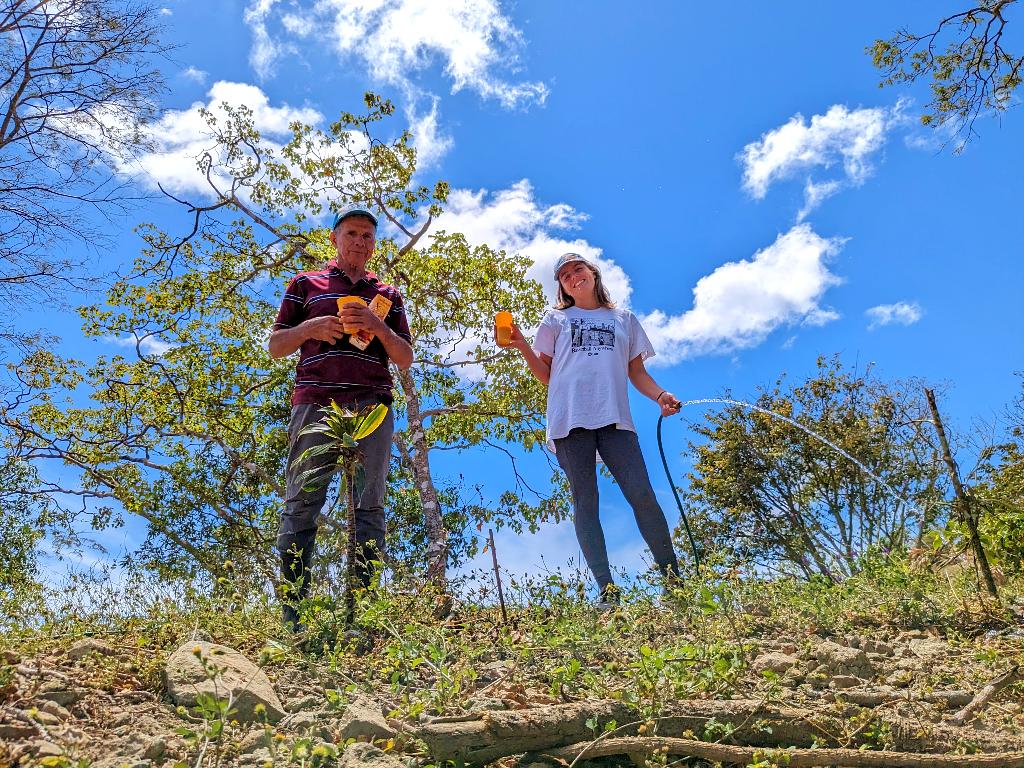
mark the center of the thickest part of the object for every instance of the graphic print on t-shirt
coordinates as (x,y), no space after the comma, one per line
(592,336)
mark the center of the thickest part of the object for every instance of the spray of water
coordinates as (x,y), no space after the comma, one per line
(801,427)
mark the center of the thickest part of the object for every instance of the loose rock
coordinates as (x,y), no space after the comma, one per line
(14,731)
(843,660)
(234,676)
(65,697)
(155,749)
(89,647)
(55,709)
(362,719)
(363,755)
(48,749)
(845,681)
(776,661)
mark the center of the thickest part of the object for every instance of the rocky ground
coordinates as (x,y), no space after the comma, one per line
(123,700)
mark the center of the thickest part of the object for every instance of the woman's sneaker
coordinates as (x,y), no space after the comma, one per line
(608,598)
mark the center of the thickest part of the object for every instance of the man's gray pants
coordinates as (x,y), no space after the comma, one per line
(297,534)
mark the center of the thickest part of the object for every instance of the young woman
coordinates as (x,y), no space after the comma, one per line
(585,351)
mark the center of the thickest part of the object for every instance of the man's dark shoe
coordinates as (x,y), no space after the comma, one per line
(290,619)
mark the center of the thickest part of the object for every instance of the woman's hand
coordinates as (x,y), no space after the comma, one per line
(647,386)
(516,339)
(539,364)
(670,406)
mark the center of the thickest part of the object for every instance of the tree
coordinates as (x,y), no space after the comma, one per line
(23,522)
(965,57)
(766,491)
(190,433)
(1000,494)
(78,88)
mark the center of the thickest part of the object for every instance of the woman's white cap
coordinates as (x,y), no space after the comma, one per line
(567,258)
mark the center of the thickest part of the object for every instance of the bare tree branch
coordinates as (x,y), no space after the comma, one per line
(79,86)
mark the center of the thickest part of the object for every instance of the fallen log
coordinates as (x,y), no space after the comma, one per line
(913,735)
(794,758)
(875,698)
(497,734)
(492,735)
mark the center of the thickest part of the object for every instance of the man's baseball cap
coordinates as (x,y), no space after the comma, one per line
(567,258)
(349,211)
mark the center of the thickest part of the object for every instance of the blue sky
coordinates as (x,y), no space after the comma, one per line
(751,193)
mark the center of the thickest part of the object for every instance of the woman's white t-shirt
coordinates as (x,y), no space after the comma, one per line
(590,350)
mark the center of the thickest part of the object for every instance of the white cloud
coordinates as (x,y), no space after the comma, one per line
(900,313)
(181,136)
(431,145)
(513,220)
(265,50)
(819,316)
(840,136)
(554,547)
(735,307)
(741,302)
(150,345)
(814,194)
(395,39)
(195,74)
(166,12)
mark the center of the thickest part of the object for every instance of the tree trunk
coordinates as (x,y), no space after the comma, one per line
(963,502)
(419,448)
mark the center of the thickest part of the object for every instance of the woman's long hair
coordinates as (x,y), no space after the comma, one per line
(600,292)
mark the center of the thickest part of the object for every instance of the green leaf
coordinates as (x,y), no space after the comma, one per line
(315,428)
(314,479)
(313,452)
(343,412)
(371,421)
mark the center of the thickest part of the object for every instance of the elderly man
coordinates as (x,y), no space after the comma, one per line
(331,369)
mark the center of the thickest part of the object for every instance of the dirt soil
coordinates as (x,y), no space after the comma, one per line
(102,703)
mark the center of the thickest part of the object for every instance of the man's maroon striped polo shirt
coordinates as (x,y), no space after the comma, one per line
(339,372)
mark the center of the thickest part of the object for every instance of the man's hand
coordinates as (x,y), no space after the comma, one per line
(327,328)
(286,341)
(357,315)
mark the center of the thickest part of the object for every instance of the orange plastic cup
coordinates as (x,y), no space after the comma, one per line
(342,301)
(503,328)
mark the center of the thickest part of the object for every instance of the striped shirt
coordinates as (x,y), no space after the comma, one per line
(339,372)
